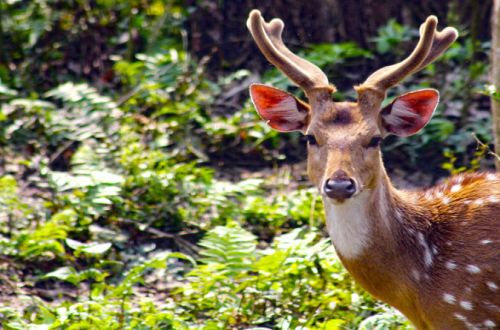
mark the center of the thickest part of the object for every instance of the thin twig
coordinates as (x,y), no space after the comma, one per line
(59,151)
(127,96)
(485,146)
(183,244)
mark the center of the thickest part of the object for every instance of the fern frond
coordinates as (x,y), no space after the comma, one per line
(233,247)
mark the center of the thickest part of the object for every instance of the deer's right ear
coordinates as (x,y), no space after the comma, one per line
(282,111)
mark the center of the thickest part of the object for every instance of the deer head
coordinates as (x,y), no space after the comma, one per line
(343,137)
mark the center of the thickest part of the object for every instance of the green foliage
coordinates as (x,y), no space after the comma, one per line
(111,195)
(13,214)
(47,239)
(59,31)
(474,163)
(229,247)
(324,55)
(296,282)
(91,186)
(490,90)
(389,319)
(391,35)
(86,112)
(10,203)
(6,91)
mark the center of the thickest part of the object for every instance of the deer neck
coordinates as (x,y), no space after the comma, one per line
(382,237)
(371,233)
(372,219)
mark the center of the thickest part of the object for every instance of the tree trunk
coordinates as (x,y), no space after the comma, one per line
(495,72)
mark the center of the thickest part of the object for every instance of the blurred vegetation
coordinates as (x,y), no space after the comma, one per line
(137,193)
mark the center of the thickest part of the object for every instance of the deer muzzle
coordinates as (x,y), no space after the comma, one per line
(339,186)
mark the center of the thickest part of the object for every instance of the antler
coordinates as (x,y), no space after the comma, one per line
(267,36)
(431,44)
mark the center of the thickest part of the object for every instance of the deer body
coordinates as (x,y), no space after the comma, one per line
(435,254)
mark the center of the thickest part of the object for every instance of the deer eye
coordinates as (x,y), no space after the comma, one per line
(374,142)
(311,140)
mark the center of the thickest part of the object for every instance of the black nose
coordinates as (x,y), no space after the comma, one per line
(340,188)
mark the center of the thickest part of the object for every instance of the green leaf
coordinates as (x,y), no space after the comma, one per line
(73,244)
(7,91)
(335,324)
(88,248)
(96,248)
(67,274)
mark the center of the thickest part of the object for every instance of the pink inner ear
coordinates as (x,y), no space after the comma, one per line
(281,110)
(409,113)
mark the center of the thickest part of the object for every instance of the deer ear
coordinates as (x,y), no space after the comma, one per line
(410,112)
(282,111)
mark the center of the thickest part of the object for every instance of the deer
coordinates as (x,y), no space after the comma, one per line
(432,254)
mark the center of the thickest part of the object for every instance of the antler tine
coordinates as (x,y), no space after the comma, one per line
(430,46)
(267,36)
(442,40)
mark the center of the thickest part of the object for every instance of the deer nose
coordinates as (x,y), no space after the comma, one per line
(340,188)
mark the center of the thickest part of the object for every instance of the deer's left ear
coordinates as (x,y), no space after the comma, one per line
(281,110)
(410,112)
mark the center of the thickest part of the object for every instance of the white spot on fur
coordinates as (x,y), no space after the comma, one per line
(492,306)
(348,225)
(416,274)
(492,285)
(439,194)
(427,250)
(493,199)
(464,319)
(467,305)
(451,265)
(449,298)
(489,324)
(455,188)
(491,176)
(479,202)
(445,200)
(486,241)
(449,243)
(473,269)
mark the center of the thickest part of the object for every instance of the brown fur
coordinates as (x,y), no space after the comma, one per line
(451,219)
(341,117)
(394,270)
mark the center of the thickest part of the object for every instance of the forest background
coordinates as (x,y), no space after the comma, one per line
(140,190)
